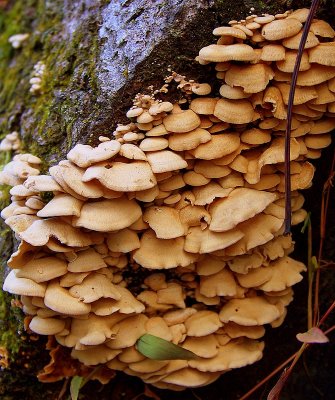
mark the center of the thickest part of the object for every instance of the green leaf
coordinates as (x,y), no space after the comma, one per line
(307,223)
(75,386)
(314,263)
(157,348)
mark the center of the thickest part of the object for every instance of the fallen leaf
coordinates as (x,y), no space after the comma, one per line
(313,335)
(157,348)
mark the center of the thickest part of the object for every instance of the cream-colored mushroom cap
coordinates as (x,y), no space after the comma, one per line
(69,176)
(202,346)
(255,136)
(201,89)
(203,105)
(123,241)
(273,52)
(242,264)
(220,284)
(158,130)
(323,54)
(122,177)
(93,288)
(182,122)
(189,140)
(60,300)
(208,169)
(86,261)
(194,216)
(92,330)
(323,126)
(21,191)
(315,75)
(281,29)
(162,253)
(47,326)
(322,28)
(209,265)
(85,155)
(20,169)
(127,304)
(40,231)
(229,31)
(172,294)
(193,178)
(43,269)
(233,93)
(165,221)
(285,272)
(257,231)
(202,323)
(165,161)
(23,286)
(108,215)
(235,111)
(287,65)
(252,78)
(301,95)
(293,42)
(249,311)
(233,52)
(255,277)
(204,241)
(317,141)
(219,146)
(172,183)
(240,205)
(95,355)
(42,183)
(128,331)
(235,354)
(154,144)
(206,194)
(132,152)
(72,278)
(61,204)
(252,332)
(187,377)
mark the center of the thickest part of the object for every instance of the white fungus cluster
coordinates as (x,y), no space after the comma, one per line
(18,40)
(175,227)
(11,142)
(36,80)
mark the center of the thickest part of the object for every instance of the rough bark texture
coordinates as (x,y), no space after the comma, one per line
(98,55)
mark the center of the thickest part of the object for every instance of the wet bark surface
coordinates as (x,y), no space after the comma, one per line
(98,55)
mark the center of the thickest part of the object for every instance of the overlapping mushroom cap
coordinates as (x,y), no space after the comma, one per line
(175,227)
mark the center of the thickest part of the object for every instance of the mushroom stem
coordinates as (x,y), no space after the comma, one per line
(288,216)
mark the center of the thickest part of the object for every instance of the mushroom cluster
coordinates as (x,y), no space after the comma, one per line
(11,142)
(18,40)
(175,227)
(36,79)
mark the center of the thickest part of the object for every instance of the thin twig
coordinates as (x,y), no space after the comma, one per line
(268,377)
(294,358)
(323,219)
(288,207)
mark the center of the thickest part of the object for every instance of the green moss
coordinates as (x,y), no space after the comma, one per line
(11,323)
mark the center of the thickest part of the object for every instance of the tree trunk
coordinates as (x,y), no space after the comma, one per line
(98,54)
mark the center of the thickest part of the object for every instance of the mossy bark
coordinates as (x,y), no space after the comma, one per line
(98,54)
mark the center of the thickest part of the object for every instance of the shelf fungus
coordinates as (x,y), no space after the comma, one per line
(174,228)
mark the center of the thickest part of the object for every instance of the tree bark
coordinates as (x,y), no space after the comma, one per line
(98,55)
